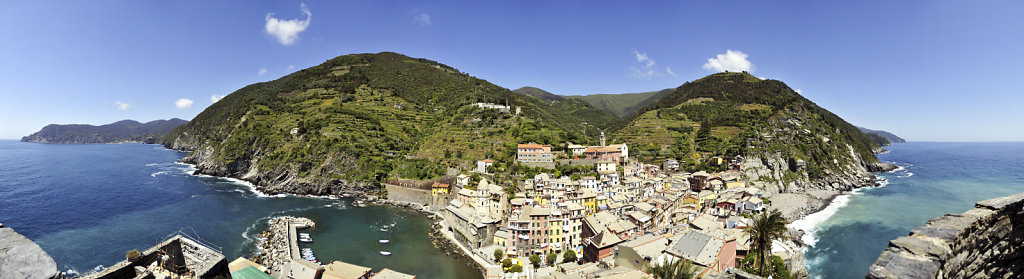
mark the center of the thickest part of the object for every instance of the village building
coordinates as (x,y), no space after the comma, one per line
(533,152)
(670,165)
(640,251)
(483,165)
(439,189)
(391,274)
(705,251)
(600,246)
(177,256)
(343,270)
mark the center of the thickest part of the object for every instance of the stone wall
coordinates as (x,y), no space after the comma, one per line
(984,242)
(404,194)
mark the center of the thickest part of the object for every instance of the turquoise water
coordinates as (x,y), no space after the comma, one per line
(88,204)
(935,179)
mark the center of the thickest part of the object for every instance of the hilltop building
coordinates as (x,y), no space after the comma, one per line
(533,152)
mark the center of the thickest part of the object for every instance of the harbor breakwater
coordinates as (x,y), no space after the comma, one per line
(983,242)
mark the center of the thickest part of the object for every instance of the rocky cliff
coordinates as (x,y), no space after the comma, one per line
(22,258)
(984,242)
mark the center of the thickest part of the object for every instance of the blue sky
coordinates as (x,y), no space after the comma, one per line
(925,70)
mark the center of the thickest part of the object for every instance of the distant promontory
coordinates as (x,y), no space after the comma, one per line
(880,137)
(117,132)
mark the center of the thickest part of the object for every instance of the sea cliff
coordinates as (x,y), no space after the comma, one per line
(984,242)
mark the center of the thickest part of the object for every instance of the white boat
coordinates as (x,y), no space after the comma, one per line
(385,253)
(305,239)
(384,241)
(359,203)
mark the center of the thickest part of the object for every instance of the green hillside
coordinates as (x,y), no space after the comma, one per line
(623,105)
(729,114)
(370,117)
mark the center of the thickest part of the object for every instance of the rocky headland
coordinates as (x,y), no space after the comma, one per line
(984,242)
(124,131)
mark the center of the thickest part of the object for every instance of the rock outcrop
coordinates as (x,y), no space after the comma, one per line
(984,242)
(22,258)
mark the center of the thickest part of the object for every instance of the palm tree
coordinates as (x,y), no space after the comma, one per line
(765,228)
(674,269)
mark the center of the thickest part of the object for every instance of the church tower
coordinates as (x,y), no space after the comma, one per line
(602,138)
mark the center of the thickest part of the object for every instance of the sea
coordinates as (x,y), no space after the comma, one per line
(932,179)
(87,205)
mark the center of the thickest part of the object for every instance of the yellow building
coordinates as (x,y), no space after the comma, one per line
(735,184)
(440,189)
(590,201)
(555,234)
(602,201)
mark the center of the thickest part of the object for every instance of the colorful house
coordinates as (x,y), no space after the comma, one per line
(440,189)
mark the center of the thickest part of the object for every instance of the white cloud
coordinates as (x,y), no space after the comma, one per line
(261,71)
(122,106)
(645,68)
(423,19)
(799,91)
(214,98)
(287,30)
(183,103)
(733,61)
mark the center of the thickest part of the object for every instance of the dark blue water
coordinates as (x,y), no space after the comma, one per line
(937,178)
(87,205)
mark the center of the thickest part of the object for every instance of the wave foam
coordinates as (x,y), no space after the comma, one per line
(810,223)
(190,169)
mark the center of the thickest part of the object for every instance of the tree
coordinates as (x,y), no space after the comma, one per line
(569,256)
(675,269)
(763,229)
(133,254)
(506,263)
(498,254)
(552,257)
(535,260)
(515,268)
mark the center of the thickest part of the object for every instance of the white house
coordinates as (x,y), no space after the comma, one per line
(482,165)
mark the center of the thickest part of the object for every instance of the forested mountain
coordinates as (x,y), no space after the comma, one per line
(360,119)
(364,118)
(121,131)
(622,105)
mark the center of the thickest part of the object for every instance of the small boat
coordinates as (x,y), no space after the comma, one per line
(359,203)
(384,241)
(305,239)
(385,253)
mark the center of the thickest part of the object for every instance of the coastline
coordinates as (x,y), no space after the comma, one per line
(445,243)
(804,222)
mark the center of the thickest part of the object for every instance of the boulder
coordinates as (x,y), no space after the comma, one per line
(22,258)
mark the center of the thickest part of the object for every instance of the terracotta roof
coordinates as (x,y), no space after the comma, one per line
(532,145)
(439,185)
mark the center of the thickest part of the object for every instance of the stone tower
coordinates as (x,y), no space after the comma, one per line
(602,138)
